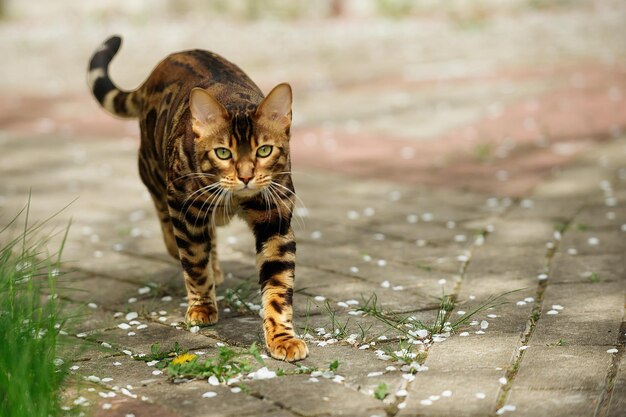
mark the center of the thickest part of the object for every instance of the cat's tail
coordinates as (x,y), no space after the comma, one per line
(112,99)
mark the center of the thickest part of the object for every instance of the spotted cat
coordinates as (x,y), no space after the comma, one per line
(212,146)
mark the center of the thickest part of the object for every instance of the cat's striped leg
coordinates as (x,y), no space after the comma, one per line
(166,225)
(218,275)
(193,238)
(276,256)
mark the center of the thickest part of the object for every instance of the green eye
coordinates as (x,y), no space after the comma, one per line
(223,153)
(264,151)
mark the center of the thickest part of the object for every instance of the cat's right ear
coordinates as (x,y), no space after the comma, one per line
(208,115)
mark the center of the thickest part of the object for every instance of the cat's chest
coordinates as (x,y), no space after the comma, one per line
(217,209)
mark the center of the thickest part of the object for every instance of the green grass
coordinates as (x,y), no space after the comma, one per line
(163,357)
(447,303)
(424,267)
(381,391)
(304,369)
(228,363)
(34,361)
(240,297)
(407,353)
(483,152)
(306,329)
(561,342)
(595,277)
(338,329)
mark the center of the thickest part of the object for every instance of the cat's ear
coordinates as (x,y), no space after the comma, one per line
(208,114)
(275,110)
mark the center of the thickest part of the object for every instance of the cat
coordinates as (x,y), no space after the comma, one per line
(212,146)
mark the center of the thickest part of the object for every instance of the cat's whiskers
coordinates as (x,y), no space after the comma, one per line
(222,194)
(212,202)
(266,198)
(275,201)
(299,219)
(200,193)
(286,192)
(212,198)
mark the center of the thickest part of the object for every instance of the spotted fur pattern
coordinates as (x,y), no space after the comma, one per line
(194,109)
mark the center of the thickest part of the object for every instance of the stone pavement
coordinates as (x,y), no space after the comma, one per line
(464,171)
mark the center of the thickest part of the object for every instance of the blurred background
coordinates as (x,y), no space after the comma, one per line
(485,95)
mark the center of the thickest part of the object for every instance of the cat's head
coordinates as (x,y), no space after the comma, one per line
(243,151)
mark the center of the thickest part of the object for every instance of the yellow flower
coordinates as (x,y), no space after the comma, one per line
(184,358)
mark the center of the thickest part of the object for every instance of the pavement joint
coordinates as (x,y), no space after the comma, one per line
(604,402)
(534,317)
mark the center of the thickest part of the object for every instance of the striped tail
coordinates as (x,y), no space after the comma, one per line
(112,99)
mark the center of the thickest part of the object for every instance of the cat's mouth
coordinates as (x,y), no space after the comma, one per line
(247,190)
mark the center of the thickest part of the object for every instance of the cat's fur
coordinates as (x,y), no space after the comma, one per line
(193,103)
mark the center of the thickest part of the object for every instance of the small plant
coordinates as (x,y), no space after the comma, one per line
(381,391)
(483,152)
(363,332)
(424,267)
(581,227)
(240,297)
(409,326)
(307,317)
(228,364)
(561,342)
(560,227)
(595,277)
(406,353)
(300,370)
(303,369)
(338,330)
(163,357)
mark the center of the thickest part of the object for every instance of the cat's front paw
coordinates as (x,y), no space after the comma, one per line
(201,315)
(289,350)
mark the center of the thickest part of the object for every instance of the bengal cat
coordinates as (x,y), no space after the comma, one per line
(212,147)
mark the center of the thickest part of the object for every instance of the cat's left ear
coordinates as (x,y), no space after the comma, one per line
(208,115)
(274,111)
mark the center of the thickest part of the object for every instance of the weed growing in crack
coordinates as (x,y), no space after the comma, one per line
(310,370)
(228,364)
(306,330)
(381,391)
(338,329)
(240,298)
(406,353)
(424,267)
(491,302)
(161,358)
(363,332)
(407,324)
(561,342)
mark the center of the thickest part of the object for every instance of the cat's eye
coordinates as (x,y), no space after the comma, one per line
(223,153)
(264,151)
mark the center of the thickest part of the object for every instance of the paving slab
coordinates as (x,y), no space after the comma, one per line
(564,367)
(546,402)
(187,400)
(308,398)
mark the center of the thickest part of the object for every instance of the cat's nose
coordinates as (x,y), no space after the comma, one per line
(245,180)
